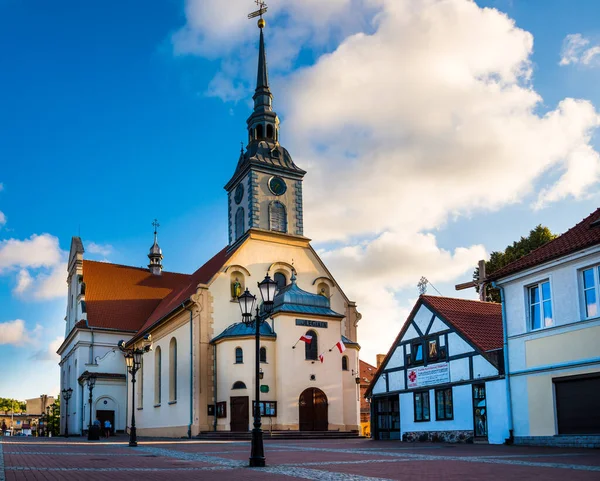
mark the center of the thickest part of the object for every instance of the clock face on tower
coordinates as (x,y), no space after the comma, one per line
(277,185)
(239,193)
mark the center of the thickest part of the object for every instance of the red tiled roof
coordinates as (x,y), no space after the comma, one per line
(123,297)
(202,276)
(479,322)
(366,372)
(585,234)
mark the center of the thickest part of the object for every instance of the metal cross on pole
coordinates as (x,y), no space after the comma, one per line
(262,8)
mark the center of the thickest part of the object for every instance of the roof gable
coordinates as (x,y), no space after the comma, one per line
(583,235)
(479,323)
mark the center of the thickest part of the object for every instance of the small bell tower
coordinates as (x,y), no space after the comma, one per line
(155,254)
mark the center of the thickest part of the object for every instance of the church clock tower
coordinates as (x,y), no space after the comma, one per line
(265,191)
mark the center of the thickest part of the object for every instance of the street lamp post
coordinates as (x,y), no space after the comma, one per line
(91,383)
(268,289)
(48,422)
(133,359)
(67,393)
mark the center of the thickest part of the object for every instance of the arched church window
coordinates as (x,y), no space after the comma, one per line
(311,349)
(259,132)
(263,354)
(238,385)
(280,279)
(344,363)
(173,370)
(157,375)
(269,131)
(277,217)
(239,223)
(239,355)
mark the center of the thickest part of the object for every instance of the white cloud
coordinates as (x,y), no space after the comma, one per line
(2,218)
(100,249)
(40,263)
(49,353)
(13,332)
(372,272)
(576,50)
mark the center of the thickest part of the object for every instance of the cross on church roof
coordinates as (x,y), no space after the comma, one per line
(262,8)
(156,225)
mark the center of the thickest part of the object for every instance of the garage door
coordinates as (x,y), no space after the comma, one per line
(578,405)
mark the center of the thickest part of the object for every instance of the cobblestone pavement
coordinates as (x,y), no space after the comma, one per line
(327,460)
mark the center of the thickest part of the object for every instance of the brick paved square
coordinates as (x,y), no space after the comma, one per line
(356,460)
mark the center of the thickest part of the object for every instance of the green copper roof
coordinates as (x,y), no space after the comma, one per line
(293,299)
(239,329)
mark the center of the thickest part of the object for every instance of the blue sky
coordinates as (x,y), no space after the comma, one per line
(114,113)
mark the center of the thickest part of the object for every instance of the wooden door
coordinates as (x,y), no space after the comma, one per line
(239,413)
(313,410)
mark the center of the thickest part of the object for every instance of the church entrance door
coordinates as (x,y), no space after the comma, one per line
(240,408)
(313,410)
(105,415)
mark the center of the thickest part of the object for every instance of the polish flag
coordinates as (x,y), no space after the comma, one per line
(306,338)
(340,345)
(321,358)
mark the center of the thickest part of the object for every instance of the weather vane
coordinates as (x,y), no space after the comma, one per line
(422,285)
(262,8)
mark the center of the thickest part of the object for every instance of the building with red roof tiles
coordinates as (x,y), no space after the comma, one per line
(551,300)
(367,373)
(443,377)
(199,375)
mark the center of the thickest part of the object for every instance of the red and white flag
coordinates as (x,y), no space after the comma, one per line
(306,338)
(340,345)
(321,358)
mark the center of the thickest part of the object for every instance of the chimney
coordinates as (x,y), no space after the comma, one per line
(380,358)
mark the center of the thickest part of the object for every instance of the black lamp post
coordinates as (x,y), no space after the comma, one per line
(133,359)
(67,393)
(268,289)
(48,422)
(91,383)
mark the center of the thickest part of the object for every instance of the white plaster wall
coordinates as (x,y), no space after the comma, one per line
(422,318)
(565,290)
(459,369)
(168,413)
(463,412)
(457,345)
(411,333)
(379,386)
(397,359)
(438,326)
(396,380)
(483,368)
(495,392)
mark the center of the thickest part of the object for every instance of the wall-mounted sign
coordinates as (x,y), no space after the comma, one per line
(304,322)
(428,375)
(211,409)
(264,388)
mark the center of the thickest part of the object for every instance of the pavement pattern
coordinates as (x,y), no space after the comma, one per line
(24,458)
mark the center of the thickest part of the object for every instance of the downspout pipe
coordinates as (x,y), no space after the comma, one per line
(506,366)
(216,384)
(189,433)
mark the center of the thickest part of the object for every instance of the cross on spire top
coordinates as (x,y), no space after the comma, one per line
(156,225)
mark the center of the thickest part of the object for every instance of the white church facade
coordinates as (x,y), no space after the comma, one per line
(199,375)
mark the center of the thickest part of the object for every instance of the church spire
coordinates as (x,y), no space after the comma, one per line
(263,124)
(155,254)
(262,96)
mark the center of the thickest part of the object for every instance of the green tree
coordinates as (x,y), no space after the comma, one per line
(8,405)
(537,237)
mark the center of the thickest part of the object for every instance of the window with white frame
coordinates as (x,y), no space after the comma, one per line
(540,305)
(589,283)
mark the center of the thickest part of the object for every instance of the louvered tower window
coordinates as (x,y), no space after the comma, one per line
(277,217)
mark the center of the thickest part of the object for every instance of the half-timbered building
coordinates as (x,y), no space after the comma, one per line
(443,377)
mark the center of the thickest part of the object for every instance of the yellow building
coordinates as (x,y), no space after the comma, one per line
(551,312)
